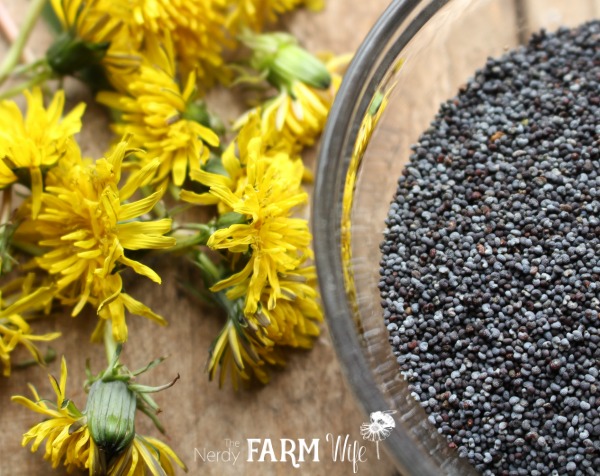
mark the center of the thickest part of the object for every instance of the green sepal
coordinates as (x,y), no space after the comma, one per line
(69,55)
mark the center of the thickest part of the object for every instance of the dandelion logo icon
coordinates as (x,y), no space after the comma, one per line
(379,428)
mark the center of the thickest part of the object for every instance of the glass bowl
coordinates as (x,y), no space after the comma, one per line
(417,55)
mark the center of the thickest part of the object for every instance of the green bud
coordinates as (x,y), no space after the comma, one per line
(110,412)
(69,55)
(279,56)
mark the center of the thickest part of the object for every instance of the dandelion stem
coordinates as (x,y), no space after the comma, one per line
(26,85)
(16,49)
(110,345)
(29,67)
(46,359)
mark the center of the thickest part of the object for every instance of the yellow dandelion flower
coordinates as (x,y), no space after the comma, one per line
(92,35)
(278,243)
(248,345)
(64,431)
(293,320)
(256,14)
(88,19)
(194,25)
(243,353)
(14,329)
(233,160)
(146,454)
(156,111)
(298,117)
(34,143)
(87,224)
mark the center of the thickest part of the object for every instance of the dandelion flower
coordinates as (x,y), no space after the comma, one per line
(293,321)
(14,329)
(81,17)
(156,111)
(87,224)
(277,242)
(299,113)
(270,295)
(234,164)
(299,116)
(64,431)
(237,351)
(247,345)
(266,197)
(146,454)
(194,25)
(34,143)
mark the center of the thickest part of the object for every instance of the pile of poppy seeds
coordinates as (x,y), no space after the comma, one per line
(490,274)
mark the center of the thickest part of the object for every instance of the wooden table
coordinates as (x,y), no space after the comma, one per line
(308,399)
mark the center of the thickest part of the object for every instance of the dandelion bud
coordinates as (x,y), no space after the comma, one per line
(279,56)
(110,412)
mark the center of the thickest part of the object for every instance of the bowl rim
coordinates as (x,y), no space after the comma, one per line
(360,81)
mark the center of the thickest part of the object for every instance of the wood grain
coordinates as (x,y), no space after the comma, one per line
(307,399)
(551,14)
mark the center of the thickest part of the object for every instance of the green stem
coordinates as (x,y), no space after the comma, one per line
(186,241)
(211,273)
(16,49)
(26,85)
(28,248)
(110,344)
(46,359)
(179,209)
(27,68)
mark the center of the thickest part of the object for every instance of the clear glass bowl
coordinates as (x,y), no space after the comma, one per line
(417,55)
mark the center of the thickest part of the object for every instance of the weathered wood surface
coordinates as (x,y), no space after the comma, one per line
(305,400)
(309,398)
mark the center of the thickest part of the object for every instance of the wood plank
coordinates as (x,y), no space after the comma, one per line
(551,14)
(309,398)
(306,400)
